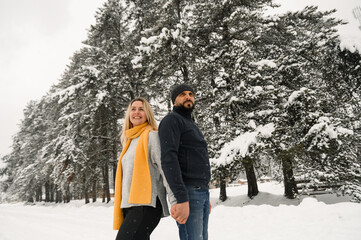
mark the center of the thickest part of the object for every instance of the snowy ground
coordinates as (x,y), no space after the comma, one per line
(267,217)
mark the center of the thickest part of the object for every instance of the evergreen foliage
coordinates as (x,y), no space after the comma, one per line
(250,70)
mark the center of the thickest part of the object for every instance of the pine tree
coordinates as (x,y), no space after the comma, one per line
(287,73)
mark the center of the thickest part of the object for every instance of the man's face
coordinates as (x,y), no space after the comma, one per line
(185,99)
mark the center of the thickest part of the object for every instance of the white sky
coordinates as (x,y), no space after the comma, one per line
(37,38)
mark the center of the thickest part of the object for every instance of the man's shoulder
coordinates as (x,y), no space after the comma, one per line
(172,119)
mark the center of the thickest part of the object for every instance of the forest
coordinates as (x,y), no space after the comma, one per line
(250,70)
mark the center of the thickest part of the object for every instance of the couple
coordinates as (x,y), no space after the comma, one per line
(173,160)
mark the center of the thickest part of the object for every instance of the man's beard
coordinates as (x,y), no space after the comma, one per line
(187,109)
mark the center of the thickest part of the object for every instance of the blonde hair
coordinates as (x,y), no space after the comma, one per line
(127,123)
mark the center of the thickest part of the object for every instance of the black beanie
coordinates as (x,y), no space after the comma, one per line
(177,89)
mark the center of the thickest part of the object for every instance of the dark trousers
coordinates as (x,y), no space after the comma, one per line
(139,222)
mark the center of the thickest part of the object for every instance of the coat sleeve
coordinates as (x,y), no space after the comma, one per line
(170,136)
(155,154)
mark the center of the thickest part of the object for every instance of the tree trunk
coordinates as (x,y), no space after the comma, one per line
(38,194)
(288,177)
(52,192)
(58,195)
(223,192)
(94,190)
(251,177)
(66,197)
(86,197)
(106,191)
(47,192)
(30,199)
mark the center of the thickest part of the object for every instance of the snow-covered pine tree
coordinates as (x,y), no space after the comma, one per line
(26,172)
(250,71)
(301,42)
(225,33)
(333,142)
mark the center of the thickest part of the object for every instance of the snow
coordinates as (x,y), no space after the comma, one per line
(269,216)
(240,145)
(350,34)
(257,89)
(344,131)
(295,95)
(100,96)
(91,70)
(67,92)
(265,62)
(351,43)
(324,124)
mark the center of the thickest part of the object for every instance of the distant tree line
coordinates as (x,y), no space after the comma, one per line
(249,70)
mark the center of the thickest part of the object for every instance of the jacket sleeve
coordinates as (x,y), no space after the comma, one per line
(155,154)
(170,134)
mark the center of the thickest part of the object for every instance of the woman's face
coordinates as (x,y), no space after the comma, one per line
(137,113)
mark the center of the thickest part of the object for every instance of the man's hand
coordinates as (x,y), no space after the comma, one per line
(180,212)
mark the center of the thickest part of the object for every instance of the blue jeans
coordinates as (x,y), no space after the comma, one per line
(196,227)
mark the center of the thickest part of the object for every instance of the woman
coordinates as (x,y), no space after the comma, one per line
(140,197)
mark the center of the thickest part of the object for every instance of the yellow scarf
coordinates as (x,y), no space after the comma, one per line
(141,187)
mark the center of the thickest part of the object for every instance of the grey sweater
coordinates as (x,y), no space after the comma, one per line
(159,183)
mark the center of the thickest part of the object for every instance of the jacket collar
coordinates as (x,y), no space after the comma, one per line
(183,112)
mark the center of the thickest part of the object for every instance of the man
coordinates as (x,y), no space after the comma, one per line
(185,164)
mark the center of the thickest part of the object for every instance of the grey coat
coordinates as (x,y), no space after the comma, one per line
(159,183)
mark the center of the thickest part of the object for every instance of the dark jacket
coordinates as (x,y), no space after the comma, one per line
(184,153)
